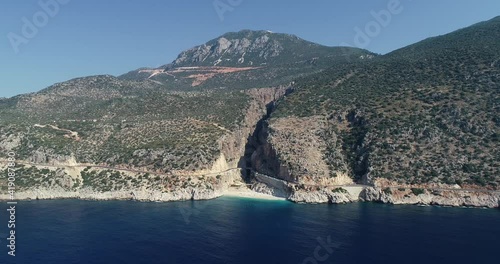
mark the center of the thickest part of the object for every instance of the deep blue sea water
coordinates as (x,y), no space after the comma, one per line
(231,230)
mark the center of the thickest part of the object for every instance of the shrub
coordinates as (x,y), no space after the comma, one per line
(340,190)
(417,191)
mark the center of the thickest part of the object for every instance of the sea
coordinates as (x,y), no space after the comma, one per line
(239,230)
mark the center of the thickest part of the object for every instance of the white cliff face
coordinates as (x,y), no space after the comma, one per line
(322,196)
(223,45)
(47,156)
(232,51)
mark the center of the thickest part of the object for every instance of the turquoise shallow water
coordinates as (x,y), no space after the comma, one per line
(232,230)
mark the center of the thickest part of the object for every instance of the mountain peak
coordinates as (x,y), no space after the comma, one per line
(250,33)
(246,48)
(271,58)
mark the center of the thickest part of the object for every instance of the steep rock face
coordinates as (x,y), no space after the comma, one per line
(266,161)
(294,149)
(234,145)
(288,159)
(223,50)
(47,156)
(297,142)
(249,48)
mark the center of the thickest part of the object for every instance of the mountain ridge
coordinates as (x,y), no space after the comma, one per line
(236,57)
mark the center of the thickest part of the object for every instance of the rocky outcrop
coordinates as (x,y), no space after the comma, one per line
(234,145)
(269,185)
(299,193)
(322,196)
(47,156)
(139,195)
(265,160)
(293,149)
(240,144)
(10,142)
(442,198)
(242,48)
(261,187)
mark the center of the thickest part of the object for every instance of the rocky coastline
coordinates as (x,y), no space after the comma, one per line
(349,194)
(452,198)
(136,195)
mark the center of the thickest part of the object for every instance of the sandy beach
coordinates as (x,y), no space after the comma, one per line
(247,193)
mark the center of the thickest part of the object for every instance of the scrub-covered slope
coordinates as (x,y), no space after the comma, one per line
(424,114)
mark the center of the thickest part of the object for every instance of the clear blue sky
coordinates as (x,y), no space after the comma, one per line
(88,37)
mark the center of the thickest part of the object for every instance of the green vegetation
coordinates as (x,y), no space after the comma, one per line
(387,190)
(30,177)
(123,124)
(427,113)
(340,190)
(417,191)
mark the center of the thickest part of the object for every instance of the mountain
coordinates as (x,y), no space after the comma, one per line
(424,115)
(247,59)
(256,48)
